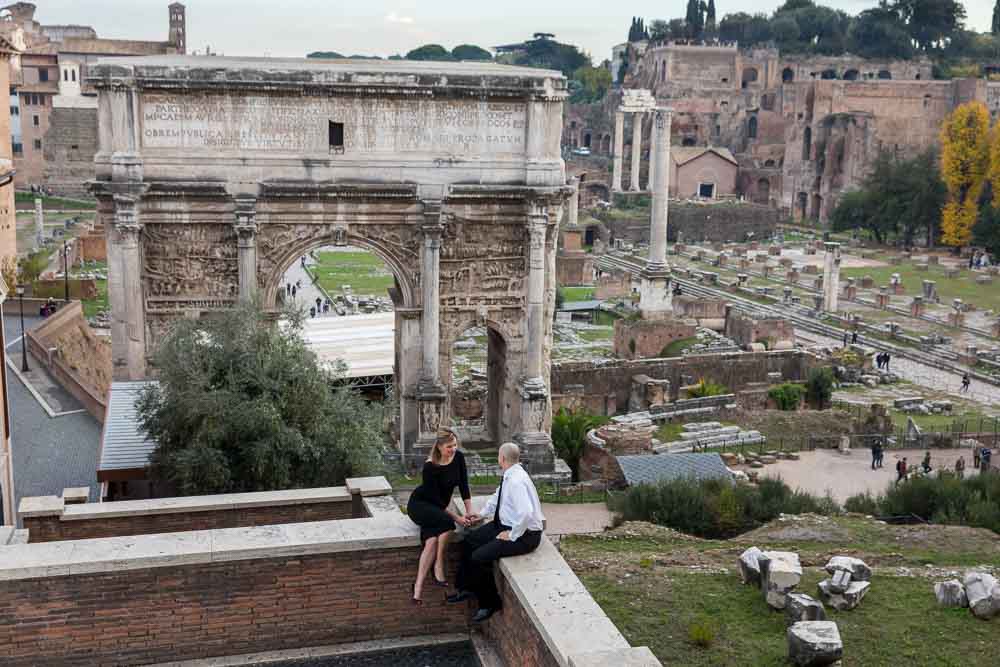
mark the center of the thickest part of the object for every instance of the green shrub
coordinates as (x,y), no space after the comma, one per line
(676,347)
(819,387)
(973,501)
(706,388)
(862,503)
(716,508)
(702,632)
(786,396)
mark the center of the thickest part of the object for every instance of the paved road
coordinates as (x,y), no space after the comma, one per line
(926,376)
(845,475)
(307,294)
(50,454)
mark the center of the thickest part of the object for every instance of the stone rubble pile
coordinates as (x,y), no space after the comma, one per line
(978,591)
(707,434)
(712,341)
(812,640)
(919,405)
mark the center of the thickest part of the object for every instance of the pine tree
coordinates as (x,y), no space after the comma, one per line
(996,18)
(965,165)
(711,28)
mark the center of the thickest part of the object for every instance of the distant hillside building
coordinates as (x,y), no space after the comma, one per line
(54,113)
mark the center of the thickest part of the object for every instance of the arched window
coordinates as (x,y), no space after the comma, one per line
(884,74)
(769,164)
(74,74)
(586,140)
(788,75)
(763,191)
(828,74)
(752,127)
(749,76)
(807,138)
(851,75)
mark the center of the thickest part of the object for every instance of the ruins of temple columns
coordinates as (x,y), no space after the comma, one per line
(214,176)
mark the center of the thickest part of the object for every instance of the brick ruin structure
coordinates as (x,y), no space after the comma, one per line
(803,128)
(215,174)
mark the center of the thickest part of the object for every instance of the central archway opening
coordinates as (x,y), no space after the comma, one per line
(343,293)
(478,379)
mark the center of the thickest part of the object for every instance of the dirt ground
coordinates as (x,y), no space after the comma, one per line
(845,475)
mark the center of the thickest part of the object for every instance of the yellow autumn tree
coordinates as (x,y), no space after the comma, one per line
(965,163)
(995,165)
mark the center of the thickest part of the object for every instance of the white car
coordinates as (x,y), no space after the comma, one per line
(581,151)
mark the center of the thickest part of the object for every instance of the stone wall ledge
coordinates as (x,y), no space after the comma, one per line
(53,505)
(385,528)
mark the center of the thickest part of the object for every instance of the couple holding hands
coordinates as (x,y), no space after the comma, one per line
(511,522)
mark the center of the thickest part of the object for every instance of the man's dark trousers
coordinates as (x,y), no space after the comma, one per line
(480,548)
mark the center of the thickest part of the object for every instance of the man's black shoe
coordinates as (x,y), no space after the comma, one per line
(482,615)
(460,596)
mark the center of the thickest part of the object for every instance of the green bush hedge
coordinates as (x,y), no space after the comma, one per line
(787,395)
(716,508)
(706,388)
(973,501)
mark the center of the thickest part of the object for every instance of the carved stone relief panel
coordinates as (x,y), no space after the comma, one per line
(482,264)
(196,261)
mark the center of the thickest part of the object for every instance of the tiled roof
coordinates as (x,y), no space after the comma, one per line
(124,445)
(654,468)
(684,154)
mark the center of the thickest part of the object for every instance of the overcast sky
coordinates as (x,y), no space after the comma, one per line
(383,27)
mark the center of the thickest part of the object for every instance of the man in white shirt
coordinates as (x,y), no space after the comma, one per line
(515,529)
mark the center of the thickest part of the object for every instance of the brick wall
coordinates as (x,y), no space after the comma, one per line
(69,147)
(650,337)
(52,528)
(212,609)
(515,634)
(735,370)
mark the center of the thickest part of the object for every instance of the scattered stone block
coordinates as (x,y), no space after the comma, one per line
(780,573)
(814,643)
(983,594)
(749,567)
(858,568)
(848,599)
(920,267)
(951,593)
(801,607)
(984,280)
(839,581)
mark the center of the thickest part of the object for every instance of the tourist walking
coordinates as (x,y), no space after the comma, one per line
(984,460)
(966,381)
(874,454)
(926,464)
(960,467)
(977,451)
(885,361)
(430,507)
(845,339)
(293,291)
(854,338)
(901,470)
(879,454)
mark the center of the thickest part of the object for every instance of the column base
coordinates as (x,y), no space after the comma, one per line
(431,397)
(655,296)
(535,443)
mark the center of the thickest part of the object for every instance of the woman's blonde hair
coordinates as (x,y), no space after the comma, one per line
(445,436)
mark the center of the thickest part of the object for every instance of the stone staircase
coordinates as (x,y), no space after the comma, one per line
(710,434)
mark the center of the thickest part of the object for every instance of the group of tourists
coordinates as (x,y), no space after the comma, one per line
(882,360)
(509,524)
(979,260)
(981,457)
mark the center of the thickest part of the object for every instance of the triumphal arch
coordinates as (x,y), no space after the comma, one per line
(215,174)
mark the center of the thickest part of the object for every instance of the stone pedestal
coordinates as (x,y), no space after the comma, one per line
(956,318)
(995,329)
(930,290)
(655,298)
(774,251)
(831,276)
(850,292)
(534,441)
(431,397)
(917,306)
(882,298)
(792,276)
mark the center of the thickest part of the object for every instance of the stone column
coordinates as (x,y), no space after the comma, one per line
(651,172)
(533,386)
(129,315)
(39,223)
(636,150)
(655,299)
(831,276)
(574,204)
(616,173)
(246,234)
(431,393)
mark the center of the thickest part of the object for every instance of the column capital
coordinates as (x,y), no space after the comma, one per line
(245,223)
(126,216)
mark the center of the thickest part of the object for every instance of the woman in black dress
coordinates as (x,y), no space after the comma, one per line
(430,506)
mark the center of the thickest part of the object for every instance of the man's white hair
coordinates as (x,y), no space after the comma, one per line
(510,452)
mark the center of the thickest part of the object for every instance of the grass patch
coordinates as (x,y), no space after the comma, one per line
(597,335)
(676,348)
(963,287)
(898,622)
(364,271)
(91,307)
(578,293)
(55,202)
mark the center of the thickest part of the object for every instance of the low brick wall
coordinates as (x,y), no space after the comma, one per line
(515,634)
(607,385)
(49,519)
(643,339)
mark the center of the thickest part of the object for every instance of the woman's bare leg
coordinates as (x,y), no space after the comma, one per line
(426,561)
(439,563)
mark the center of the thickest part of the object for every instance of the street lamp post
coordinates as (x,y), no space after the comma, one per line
(66,271)
(24,343)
